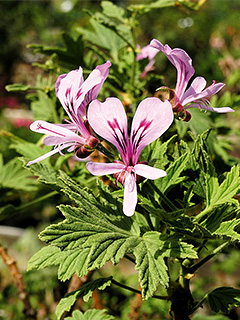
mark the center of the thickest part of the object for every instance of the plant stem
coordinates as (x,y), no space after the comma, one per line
(162,196)
(135,290)
(202,214)
(46,196)
(204,260)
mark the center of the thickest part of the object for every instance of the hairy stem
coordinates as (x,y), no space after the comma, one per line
(136,291)
(207,258)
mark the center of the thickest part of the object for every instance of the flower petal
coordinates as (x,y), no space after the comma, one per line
(149,172)
(101,169)
(147,52)
(48,154)
(130,195)
(183,63)
(104,70)
(109,120)
(194,93)
(152,118)
(54,130)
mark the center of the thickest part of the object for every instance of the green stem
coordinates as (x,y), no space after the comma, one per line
(46,196)
(162,196)
(207,258)
(135,290)
(202,214)
(129,258)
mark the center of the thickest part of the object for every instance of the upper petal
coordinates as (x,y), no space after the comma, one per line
(101,169)
(183,63)
(54,130)
(149,172)
(109,120)
(152,118)
(147,52)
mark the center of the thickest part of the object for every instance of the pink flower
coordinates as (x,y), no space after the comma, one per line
(196,95)
(75,94)
(147,52)
(152,118)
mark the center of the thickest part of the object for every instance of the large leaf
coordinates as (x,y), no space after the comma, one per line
(85,291)
(91,314)
(222,298)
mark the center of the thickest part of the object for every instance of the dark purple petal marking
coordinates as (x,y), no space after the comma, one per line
(39,127)
(121,139)
(139,133)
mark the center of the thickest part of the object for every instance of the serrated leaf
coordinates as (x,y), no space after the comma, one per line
(43,107)
(91,314)
(220,194)
(226,229)
(14,176)
(173,176)
(85,291)
(47,256)
(70,57)
(73,261)
(222,298)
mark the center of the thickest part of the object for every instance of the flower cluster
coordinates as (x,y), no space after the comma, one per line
(89,118)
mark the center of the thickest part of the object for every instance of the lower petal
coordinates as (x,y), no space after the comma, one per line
(130,196)
(149,172)
(101,169)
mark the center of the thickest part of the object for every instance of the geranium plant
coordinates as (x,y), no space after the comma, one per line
(133,187)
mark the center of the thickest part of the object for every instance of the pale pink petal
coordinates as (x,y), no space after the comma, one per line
(54,130)
(109,120)
(149,172)
(207,106)
(152,118)
(183,63)
(94,78)
(147,52)
(104,70)
(67,86)
(101,169)
(48,154)
(209,91)
(130,195)
(197,86)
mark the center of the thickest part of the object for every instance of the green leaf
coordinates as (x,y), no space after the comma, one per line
(204,317)
(43,107)
(220,194)
(17,87)
(104,38)
(152,5)
(173,176)
(91,314)
(14,176)
(226,229)
(47,256)
(85,291)
(70,57)
(222,298)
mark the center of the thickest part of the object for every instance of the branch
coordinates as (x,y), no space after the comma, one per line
(28,311)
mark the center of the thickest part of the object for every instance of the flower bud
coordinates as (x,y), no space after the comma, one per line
(82,152)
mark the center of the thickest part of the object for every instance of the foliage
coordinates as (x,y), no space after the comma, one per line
(182,220)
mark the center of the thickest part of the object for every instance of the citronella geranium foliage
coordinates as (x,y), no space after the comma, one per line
(170,209)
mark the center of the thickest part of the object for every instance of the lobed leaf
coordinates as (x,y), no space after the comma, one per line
(222,298)
(85,291)
(91,314)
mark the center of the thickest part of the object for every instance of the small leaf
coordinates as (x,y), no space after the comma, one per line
(17,87)
(222,298)
(91,314)
(86,291)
